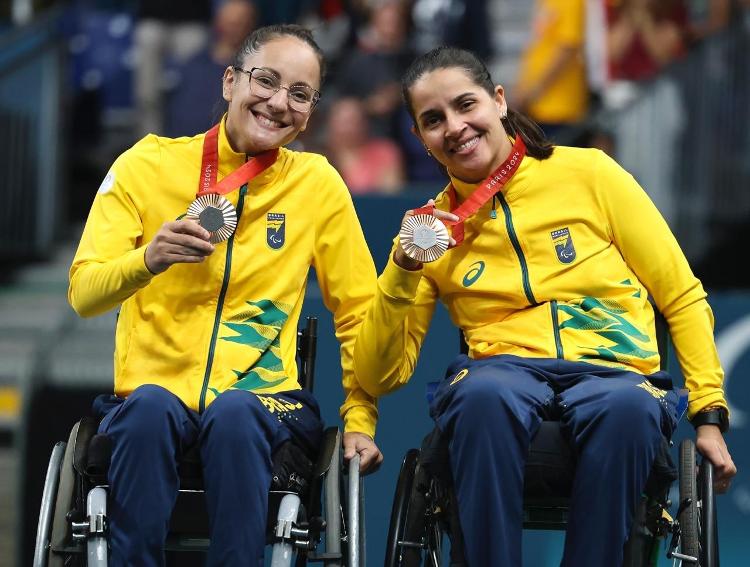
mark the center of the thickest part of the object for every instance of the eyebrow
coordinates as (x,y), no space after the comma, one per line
(456,100)
(278,76)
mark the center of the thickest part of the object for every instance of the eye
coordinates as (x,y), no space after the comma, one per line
(300,94)
(265,81)
(466,105)
(430,121)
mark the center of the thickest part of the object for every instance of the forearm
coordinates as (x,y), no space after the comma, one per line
(98,286)
(391,334)
(691,330)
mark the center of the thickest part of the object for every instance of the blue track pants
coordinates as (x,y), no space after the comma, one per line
(490,409)
(237,434)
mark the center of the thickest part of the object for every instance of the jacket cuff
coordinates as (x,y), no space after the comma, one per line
(399,283)
(361,419)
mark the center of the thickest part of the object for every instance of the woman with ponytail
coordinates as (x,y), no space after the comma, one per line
(552,255)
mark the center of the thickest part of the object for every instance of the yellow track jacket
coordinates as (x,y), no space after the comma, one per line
(231,321)
(564,271)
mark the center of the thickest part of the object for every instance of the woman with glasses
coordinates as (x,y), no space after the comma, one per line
(205,245)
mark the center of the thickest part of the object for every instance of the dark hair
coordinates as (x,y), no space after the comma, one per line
(515,123)
(262,36)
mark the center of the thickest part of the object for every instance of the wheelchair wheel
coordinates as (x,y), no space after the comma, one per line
(689,518)
(46,512)
(397,553)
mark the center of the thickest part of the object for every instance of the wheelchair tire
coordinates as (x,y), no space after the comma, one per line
(689,518)
(709,535)
(399,530)
(46,511)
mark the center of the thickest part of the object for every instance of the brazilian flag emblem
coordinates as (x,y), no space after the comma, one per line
(275,230)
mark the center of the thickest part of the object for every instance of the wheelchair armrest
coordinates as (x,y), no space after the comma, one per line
(87,430)
(331,439)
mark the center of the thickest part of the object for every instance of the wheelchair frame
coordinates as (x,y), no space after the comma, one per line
(298,525)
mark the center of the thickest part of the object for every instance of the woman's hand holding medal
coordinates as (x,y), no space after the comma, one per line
(435,233)
(177,242)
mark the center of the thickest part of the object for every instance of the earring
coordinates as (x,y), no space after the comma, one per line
(429,153)
(503,115)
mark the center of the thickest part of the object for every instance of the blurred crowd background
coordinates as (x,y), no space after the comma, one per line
(661,85)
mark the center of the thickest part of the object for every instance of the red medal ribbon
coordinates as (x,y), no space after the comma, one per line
(240,176)
(489,187)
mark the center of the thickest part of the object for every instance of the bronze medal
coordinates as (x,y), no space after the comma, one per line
(214,213)
(424,238)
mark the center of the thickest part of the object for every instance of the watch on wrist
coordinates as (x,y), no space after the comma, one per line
(712,416)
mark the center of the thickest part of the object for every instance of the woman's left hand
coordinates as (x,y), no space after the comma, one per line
(710,443)
(370,456)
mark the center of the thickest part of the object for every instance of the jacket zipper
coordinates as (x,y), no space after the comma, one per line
(220,304)
(517,248)
(556,329)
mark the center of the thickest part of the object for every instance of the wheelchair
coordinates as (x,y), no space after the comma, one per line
(424,524)
(308,502)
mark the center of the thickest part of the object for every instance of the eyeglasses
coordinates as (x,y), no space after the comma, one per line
(264,83)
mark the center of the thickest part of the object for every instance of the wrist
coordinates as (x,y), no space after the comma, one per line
(712,416)
(403,261)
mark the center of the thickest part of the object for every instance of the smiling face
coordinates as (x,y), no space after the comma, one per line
(459,122)
(255,124)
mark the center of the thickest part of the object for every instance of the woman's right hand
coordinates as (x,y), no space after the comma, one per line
(181,241)
(400,257)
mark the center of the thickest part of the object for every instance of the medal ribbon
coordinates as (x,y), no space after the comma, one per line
(489,187)
(240,176)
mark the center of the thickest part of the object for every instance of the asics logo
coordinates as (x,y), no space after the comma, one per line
(475,270)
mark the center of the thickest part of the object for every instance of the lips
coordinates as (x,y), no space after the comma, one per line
(466,146)
(268,122)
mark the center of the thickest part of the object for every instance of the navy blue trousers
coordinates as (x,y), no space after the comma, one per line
(490,409)
(237,434)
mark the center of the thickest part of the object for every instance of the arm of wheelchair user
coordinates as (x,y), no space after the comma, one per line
(393,330)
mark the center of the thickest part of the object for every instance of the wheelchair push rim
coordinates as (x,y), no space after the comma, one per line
(400,509)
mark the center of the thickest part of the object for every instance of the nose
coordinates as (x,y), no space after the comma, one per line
(454,126)
(279,100)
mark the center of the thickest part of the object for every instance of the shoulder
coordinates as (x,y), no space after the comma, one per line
(312,167)
(587,162)
(151,148)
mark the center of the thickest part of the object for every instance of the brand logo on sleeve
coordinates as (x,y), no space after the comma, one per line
(107,183)
(460,376)
(275,230)
(563,242)
(475,270)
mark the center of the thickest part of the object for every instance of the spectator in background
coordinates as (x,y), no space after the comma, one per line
(371,72)
(552,87)
(165,29)
(194,104)
(644,36)
(366,164)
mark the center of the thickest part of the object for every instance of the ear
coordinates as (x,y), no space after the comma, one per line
(227,83)
(500,101)
(417,134)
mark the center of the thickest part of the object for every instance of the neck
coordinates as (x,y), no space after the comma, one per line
(235,142)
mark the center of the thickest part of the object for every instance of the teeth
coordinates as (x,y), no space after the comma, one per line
(268,121)
(468,144)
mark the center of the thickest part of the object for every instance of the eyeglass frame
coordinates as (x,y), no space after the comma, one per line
(316,92)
